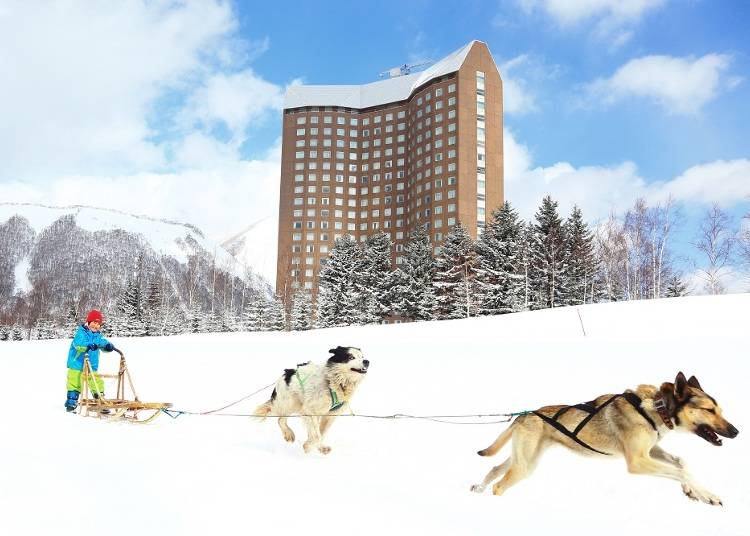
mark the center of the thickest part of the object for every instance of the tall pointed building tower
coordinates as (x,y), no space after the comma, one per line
(422,149)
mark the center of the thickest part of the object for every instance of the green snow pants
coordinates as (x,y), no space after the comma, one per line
(96,384)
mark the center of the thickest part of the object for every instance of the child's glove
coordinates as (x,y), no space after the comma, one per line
(93,346)
(108,347)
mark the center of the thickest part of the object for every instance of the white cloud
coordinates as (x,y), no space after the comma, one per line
(138,106)
(612,19)
(233,99)
(599,190)
(725,182)
(91,88)
(221,197)
(680,85)
(733,280)
(517,97)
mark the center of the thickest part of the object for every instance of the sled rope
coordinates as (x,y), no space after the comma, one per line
(498,417)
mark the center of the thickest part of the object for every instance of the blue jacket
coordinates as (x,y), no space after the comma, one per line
(80,345)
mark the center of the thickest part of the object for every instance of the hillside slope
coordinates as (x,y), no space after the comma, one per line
(63,474)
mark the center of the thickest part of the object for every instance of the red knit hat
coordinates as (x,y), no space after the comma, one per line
(94,316)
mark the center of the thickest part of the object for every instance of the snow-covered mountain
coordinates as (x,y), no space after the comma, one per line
(62,474)
(83,254)
(256,246)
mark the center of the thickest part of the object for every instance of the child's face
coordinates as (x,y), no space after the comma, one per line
(94,326)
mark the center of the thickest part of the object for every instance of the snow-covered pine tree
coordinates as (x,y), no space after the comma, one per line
(415,295)
(16,333)
(4,333)
(275,315)
(501,270)
(373,279)
(71,320)
(548,268)
(338,296)
(153,314)
(130,311)
(676,288)
(254,313)
(45,329)
(453,281)
(581,261)
(301,314)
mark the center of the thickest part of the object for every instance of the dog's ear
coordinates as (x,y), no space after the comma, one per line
(680,387)
(693,382)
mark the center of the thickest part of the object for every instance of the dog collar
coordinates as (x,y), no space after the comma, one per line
(661,408)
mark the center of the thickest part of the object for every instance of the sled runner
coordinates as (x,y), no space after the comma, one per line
(92,404)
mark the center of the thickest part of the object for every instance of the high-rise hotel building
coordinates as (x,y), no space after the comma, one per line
(422,149)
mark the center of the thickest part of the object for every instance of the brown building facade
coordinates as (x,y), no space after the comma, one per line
(424,149)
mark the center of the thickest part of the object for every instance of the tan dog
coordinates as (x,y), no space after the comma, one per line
(628,425)
(317,392)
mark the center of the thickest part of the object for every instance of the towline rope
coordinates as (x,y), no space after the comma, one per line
(499,417)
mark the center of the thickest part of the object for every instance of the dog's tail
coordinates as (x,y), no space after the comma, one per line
(499,443)
(263,410)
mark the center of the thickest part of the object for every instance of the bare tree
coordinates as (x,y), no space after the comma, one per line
(716,241)
(612,252)
(661,221)
(744,241)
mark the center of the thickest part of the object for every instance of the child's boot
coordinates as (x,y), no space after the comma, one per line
(103,411)
(72,402)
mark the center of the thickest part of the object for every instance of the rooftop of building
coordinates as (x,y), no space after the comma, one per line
(394,89)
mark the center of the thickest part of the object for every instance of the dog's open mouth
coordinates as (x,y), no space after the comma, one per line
(360,370)
(707,433)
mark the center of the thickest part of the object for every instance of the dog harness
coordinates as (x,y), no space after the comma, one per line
(592,410)
(335,403)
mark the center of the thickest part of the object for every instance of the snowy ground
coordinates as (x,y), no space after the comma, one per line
(62,474)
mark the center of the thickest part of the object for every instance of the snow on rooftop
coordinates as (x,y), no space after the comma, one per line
(375,93)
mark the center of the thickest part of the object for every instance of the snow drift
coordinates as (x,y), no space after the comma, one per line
(62,474)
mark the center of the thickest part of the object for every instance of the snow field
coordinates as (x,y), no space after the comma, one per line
(62,474)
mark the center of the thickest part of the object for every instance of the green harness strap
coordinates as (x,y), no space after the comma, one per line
(335,404)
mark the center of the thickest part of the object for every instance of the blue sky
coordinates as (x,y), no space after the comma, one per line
(605,100)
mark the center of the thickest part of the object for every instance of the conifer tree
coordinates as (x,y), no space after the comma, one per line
(501,270)
(301,314)
(415,296)
(548,259)
(676,288)
(455,268)
(338,296)
(275,315)
(254,314)
(373,279)
(581,262)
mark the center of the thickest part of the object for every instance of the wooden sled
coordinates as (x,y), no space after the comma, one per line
(90,404)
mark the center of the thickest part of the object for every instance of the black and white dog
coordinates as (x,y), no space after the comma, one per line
(316,392)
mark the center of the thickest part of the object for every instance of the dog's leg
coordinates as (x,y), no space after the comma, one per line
(325,423)
(639,462)
(527,447)
(313,436)
(491,476)
(660,454)
(287,432)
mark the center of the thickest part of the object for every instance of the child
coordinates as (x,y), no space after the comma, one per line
(87,340)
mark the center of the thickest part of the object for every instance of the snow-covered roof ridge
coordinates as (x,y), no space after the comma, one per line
(375,93)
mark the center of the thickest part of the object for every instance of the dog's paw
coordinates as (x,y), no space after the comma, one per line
(289,436)
(307,445)
(689,492)
(697,494)
(477,488)
(324,449)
